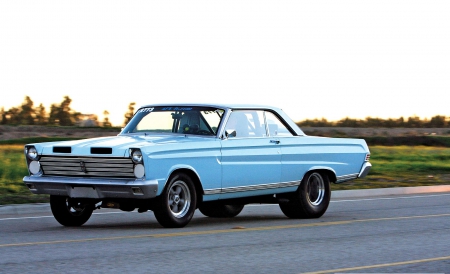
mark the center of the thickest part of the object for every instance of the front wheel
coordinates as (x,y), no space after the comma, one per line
(312,198)
(177,202)
(70,212)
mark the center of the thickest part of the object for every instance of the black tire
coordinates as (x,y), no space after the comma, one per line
(220,211)
(312,198)
(177,202)
(69,212)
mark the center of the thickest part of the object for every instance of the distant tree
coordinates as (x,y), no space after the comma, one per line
(374,122)
(53,118)
(3,116)
(400,122)
(76,117)
(129,113)
(106,122)
(348,122)
(41,115)
(315,123)
(64,114)
(437,121)
(27,112)
(414,122)
(13,116)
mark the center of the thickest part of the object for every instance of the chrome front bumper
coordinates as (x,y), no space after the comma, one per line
(92,188)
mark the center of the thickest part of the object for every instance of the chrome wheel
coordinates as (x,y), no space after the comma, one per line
(311,199)
(315,189)
(179,199)
(177,203)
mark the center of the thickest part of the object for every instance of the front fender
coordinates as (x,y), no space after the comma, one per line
(171,171)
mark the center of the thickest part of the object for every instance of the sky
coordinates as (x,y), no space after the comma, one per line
(313,59)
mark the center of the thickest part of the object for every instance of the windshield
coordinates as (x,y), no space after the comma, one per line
(184,120)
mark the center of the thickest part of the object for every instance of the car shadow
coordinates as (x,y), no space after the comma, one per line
(198,222)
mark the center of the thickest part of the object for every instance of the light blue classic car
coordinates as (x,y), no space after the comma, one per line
(173,159)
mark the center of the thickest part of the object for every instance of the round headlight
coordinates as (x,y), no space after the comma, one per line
(34,167)
(139,171)
(136,156)
(32,153)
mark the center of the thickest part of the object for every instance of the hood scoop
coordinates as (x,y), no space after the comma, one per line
(101,150)
(62,150)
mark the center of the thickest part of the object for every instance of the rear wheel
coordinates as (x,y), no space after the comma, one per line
(70,212)
(312,198)
(177,203)
(220,211)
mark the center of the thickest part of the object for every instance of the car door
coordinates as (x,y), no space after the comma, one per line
(251,160)
(291,162)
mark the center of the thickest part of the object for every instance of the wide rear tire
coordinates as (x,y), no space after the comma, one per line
(70,212)
(312,198)
(220,211)
(177,202)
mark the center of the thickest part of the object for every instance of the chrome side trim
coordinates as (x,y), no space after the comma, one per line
(212,191)
(250,188)
(344,178)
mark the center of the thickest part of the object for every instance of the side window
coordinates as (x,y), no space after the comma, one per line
(245,123)
(275,126)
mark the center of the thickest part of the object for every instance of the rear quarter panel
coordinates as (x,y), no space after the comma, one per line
(302,153)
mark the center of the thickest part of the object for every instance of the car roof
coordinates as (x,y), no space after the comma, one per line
(225,106)
(280,112)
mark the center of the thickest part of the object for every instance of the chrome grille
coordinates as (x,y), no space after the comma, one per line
(87,166)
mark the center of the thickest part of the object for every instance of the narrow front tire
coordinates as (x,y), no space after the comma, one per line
(70,212)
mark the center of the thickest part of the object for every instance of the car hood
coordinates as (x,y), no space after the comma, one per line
(114,146)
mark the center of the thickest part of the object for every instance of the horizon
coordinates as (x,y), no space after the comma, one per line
(101,117)
(328,59)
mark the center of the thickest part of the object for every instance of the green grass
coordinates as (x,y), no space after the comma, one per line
(393,166)
(398,166)
(12,170)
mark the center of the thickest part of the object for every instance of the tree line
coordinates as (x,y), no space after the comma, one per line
(60,115)
(63,115)
(437,121)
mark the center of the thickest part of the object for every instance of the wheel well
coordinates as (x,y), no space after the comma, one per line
(331,175)
(195,180)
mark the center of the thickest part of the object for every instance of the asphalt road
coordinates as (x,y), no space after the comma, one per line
(401,234)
